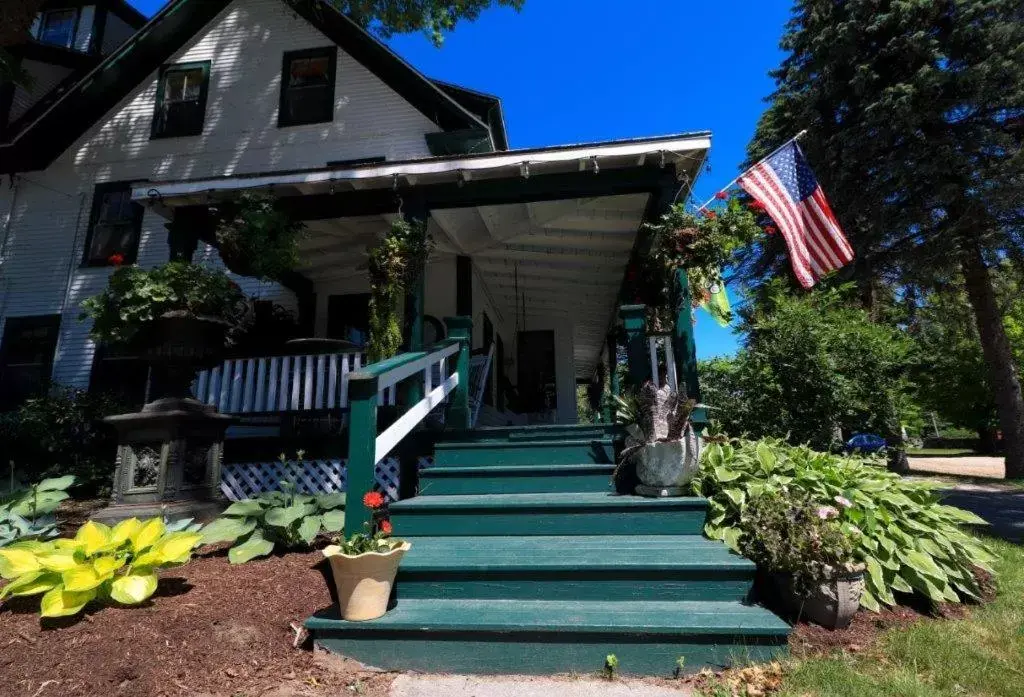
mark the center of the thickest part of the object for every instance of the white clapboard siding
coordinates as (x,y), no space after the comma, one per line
(282,384)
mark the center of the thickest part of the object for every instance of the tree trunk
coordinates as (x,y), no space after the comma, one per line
(998,356)
(986,440)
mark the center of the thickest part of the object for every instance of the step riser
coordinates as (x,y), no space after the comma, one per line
(567,521)
(537,482)
(524,454)
(538,585)
(520,434)
(539,653)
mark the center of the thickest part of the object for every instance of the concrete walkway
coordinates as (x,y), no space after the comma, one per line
(966,466)
(526,686)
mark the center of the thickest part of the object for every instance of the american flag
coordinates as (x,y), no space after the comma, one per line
(785,185)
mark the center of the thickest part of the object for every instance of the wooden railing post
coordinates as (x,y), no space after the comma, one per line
(633,319)
(460,328)
(611,407)
(683,344)
(362,448)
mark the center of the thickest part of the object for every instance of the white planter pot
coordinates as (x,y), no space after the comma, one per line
(668,465)
(364,581)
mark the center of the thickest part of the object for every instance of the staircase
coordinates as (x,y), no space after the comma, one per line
(524,561)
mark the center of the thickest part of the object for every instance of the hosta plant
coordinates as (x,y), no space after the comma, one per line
(29,513)
(285,519)
(906,538)
(111,565)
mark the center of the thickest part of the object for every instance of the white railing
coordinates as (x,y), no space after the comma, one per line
(282,384)
(437,385)
(663,343)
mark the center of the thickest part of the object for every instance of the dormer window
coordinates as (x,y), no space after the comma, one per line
(307,87)
(181,100)
(57,27)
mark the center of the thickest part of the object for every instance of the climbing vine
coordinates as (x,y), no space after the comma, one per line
(395,265)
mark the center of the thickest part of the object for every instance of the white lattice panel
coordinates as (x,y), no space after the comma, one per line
(245,480)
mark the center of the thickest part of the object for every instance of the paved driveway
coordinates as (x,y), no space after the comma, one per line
(969,466)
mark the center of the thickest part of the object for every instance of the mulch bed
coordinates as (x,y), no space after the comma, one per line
(211,629)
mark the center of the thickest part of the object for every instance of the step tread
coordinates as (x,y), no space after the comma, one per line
(520,444)
(567,552)
(516,469)
(555,501)
(567,616)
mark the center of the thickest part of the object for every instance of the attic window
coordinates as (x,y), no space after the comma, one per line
(307,87)
(57,27)
(181,100)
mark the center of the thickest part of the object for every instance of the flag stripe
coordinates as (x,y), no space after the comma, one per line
(804,232)
(775,202)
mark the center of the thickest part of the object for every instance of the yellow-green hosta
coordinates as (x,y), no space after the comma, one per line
(116,564)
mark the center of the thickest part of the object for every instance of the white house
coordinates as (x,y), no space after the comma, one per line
(211,98)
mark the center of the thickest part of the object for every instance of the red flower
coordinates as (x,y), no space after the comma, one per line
(116,259)
(373,499)
(770,229)
(721,195)
(756,206)
(385,527)
(710,214)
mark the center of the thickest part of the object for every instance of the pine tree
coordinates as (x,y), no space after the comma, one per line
(915,112)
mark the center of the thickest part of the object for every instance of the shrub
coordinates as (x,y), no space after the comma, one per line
(29,513)
(284,519)
(795,536)
(905,537)
(116,565)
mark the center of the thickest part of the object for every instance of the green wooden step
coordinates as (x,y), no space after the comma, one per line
(538,432)
(579,513)
(543,452)
(554,636)
(610,567)
(515,479)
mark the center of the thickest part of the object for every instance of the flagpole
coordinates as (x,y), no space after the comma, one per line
(711,200)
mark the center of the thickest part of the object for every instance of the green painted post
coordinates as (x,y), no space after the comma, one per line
(362,449)
(634,321)
(613,379)
(460,328)
(683,344)
(415,389)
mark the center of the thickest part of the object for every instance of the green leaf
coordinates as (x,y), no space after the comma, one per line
(921,563)
(962,516)
(283,517)
(898,583)
(30,584)
(723,474)
(58,602)
(869,601)
(244,509)
(309,527)
(329,502)
(255,546)
(226,530)
(334,520)
(736,496)
(56,483)
(133,589)
(731,537)
(765,456)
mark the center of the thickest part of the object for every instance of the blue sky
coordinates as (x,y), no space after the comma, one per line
(580,70)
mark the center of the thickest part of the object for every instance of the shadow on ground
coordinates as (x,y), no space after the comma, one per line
(1004,510)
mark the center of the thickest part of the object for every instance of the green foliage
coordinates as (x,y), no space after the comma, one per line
(785,534)
(703,244)
(29,513)
(394,266)
(905,537)
(811,365)
(117,565)
(282,519)
(63,433)
(256,239)
(375,539)
(134,297)
(611,665)
(680,667)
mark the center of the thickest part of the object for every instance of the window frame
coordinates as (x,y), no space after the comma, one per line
(43,14)
(48,322)
(331,53)
(161,91)
(131,255)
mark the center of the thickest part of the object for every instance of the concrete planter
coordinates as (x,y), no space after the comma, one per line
(665,468)
(363,582)
(832,604)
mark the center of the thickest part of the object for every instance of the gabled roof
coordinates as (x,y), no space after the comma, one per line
(39,143)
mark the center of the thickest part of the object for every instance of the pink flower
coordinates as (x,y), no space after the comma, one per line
(826,512)
(843,501)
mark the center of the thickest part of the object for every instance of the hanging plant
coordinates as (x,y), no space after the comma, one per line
(395,265)
(703,244)
(257,239)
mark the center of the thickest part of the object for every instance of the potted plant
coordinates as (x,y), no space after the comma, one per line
(364,567)
(180,316)
(255,238)
(662,443)
(808,556)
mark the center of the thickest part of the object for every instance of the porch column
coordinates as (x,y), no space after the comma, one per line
(460,328)
(683,344)
(634,321)
(611,411)
(415,299)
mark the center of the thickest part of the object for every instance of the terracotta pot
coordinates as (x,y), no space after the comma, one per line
(364,581)
(832,604)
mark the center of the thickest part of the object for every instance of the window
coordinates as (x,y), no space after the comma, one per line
(181,100)
(26,358)
(57,27)
(307,87)
(114,225)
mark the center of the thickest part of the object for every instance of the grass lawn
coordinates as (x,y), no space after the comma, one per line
(940,452)
(980,655)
